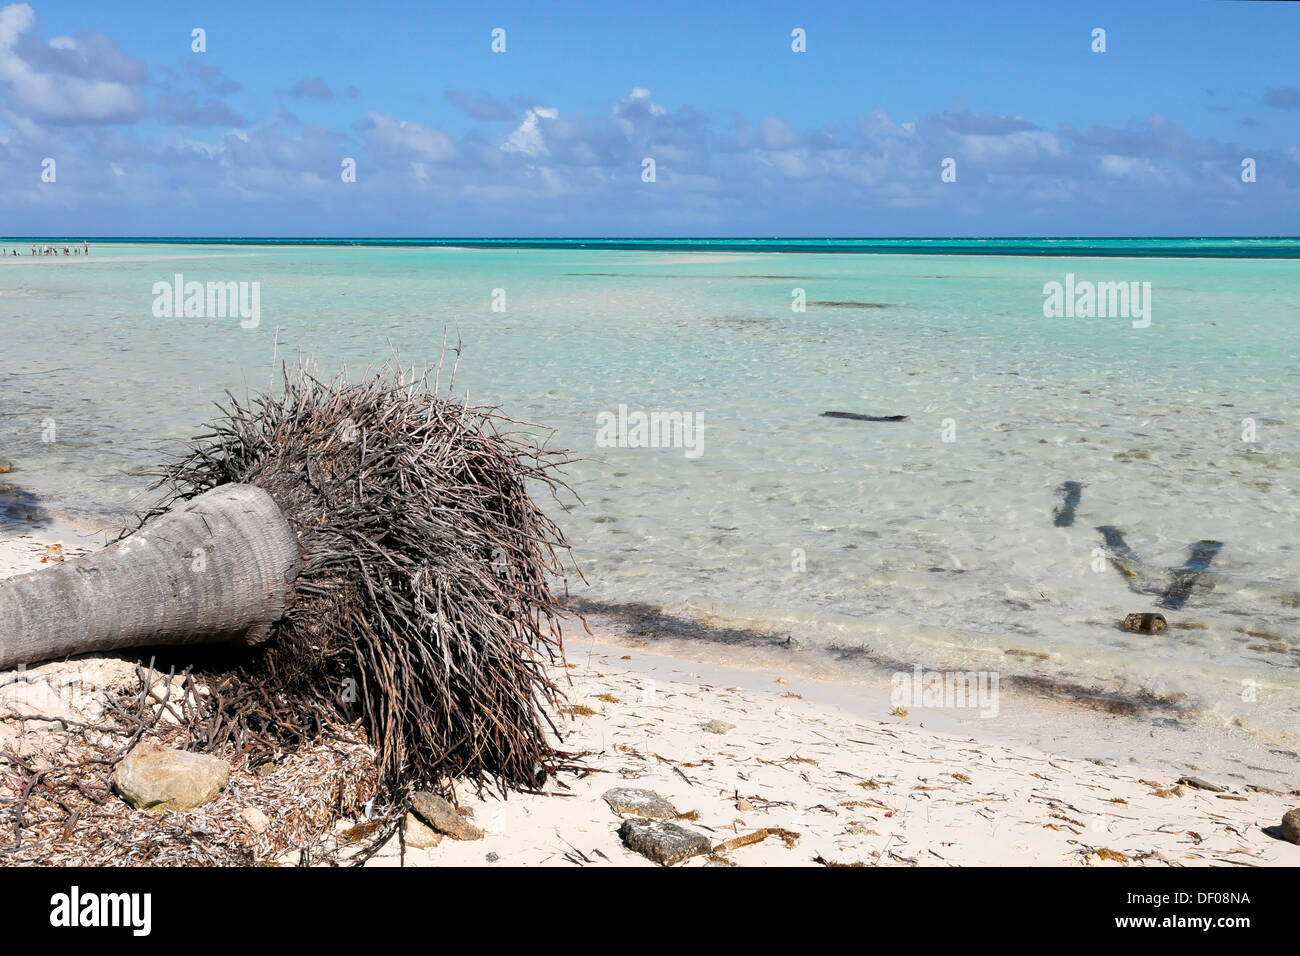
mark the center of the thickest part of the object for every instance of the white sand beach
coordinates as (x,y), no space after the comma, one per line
(856,788)
(782,769)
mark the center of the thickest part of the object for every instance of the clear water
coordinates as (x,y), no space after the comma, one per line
(915,547)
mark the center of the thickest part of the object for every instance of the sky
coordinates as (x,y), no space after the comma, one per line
(112,124)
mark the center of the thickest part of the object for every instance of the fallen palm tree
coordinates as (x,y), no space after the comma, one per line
(374,545)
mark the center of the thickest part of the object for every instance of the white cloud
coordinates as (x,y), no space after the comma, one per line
(641,96)
(777,134)
(69,80)
(527,137)
(402,138)
(1130,167)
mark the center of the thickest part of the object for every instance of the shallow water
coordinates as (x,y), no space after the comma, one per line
(852,535)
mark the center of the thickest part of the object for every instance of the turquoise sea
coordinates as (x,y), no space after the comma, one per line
(949,538)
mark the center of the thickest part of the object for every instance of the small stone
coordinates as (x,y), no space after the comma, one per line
(491,857)
(1291,826)
(442,816)
(718,727)
(257,820)
(5,467)
(1200,784)
(1149,623)
(642,803)
(665,843)
(157,778)
(420,836)
(744,806)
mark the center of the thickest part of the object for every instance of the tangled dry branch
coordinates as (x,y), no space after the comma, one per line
(425,604)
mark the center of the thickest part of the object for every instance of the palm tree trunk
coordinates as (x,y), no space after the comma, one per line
(218,568)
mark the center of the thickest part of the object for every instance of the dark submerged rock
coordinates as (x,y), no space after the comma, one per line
(1145,623)
(855,417)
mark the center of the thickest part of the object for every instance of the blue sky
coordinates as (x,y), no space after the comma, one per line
(748,137)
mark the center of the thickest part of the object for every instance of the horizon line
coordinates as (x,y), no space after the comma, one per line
(593,238)
(1043,247)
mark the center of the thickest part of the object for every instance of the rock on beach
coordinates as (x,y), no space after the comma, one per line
(1291,826)
(665,843)
(641,803)
(156,778)
(442,816)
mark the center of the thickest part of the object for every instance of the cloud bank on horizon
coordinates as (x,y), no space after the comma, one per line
(957,122)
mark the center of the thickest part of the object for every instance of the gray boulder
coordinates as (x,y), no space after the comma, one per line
(665,843)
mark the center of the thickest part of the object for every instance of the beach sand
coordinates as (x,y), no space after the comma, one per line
(855,788)
(835,777)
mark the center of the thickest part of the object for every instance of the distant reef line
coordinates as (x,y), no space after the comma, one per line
(1260,247)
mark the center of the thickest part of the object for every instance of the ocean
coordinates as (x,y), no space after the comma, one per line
(1055,471)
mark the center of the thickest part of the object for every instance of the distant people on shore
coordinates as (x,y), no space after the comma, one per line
(71,250)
